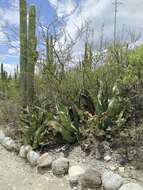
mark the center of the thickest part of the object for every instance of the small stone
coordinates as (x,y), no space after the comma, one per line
(113,168)
(121,170)
(9,144)
(75,172)
(60,166)
(90,179)
(131,186)
(97,155)
(2,136)
(111,181)
(107,158)
(44,161)
(32,157)
(24,150)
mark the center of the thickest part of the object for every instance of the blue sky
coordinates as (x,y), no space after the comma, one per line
(9,8)
(93,12)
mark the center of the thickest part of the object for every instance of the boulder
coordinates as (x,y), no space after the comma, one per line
(111,181)
(60,166)
(32,157)
(9,144)
(75,172)
(91,179)
(24,151)
(45,160)
(131,186)
(2,136)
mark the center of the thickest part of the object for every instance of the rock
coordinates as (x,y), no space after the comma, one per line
(32,157)
(75,172)
(113,168)
(90,179)
(2,136)
(111,181)
(107,158)
(44,161)
(121,170)
(24,151)
(104,148)
(131,186)
(9,144)
(60,166)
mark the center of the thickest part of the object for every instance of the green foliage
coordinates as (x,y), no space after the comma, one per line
(39,126)
(33,125)
(69,132)
(116,88)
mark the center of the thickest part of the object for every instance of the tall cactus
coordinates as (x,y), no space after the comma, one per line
(32,54)
(50,54)
(23,50)
(2,71)
(4,80)
(88,56)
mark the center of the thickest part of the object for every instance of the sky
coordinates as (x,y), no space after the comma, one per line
(78,12)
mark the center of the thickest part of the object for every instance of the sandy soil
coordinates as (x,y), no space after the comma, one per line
(16,174)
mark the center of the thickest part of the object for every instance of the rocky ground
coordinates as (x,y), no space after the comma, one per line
(77,170)
(16,174)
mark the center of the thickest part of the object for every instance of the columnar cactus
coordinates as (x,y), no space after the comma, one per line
(23,50)
(88,56)
(28,53)
(4,80)
(2,72)
(50,54)
(32,54)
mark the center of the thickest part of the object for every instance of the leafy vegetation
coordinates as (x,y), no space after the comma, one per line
(70,104)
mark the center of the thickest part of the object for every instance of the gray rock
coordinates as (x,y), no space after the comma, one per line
(75,172)
(131,186)
(104,148)
(45,160)
(9,144)
(60,166)
(24,151)
(90,179)
(107,158)
(111,181)
(32,157)
(2,136)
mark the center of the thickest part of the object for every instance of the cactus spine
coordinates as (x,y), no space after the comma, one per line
(23,50)
(32,54)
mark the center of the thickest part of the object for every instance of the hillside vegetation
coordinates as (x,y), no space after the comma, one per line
(49,104)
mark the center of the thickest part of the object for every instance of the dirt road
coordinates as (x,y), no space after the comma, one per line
(15,174)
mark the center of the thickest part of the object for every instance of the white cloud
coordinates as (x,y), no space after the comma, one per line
(8,25)
(3,38)
(10,14)
(63,7)
(10,68)
(12,51)
(97,12)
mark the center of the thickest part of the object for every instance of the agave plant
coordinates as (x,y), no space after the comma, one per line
(108,113)
(68,131)
(34,125)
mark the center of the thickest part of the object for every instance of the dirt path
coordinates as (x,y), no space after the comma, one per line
(15,174)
